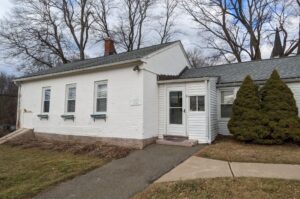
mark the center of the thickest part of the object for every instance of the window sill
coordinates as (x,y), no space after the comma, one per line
(68,117)
(43,116)
(98,117)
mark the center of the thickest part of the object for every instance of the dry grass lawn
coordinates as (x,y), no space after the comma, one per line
(228,149)
(27,169)
(224,188)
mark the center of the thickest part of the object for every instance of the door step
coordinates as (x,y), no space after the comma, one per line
(183,142)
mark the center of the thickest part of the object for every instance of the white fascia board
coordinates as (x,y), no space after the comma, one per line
(137,61)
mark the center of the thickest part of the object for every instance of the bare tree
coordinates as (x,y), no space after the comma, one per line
(197,59)
(101,12)
(8,100)
(282,12)
(237,29)
(166,21)
(129,33)
(44,33)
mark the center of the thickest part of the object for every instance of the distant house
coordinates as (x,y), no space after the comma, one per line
(133,98)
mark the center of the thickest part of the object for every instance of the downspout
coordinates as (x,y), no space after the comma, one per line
(208,112)
(18,107)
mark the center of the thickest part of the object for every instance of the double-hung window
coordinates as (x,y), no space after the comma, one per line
(227,99)
(46,100)
(70,98)
(197,103)
(100,97)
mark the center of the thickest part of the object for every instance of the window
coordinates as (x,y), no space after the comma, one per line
(227,99)
(70,98)
(197,103)
(46,100)
(100,97)
(175,107)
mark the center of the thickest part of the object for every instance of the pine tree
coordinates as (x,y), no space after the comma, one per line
(279,105)
(247,122)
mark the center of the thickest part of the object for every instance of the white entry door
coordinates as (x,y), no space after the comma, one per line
(176,111)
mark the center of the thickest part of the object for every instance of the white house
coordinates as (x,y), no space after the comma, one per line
(136,97)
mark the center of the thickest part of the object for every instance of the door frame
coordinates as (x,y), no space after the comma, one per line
(174,129)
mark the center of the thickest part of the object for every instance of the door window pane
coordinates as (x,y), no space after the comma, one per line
(176,99)
(175,115)
(175,107)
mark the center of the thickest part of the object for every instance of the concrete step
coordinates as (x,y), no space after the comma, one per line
(16,134)
(185,143)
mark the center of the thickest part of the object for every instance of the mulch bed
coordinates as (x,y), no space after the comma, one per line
(98,149)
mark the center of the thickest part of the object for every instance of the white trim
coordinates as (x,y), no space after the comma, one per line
(104,66)
(96,84)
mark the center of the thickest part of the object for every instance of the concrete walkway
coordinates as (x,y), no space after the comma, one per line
(196,167)
(124,177)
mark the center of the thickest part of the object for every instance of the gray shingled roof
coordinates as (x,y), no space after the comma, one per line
(111,59)
(288,68)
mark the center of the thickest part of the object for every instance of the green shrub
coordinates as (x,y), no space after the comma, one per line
(247,123)
(279,106)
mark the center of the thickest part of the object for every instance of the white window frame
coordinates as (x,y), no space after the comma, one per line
(43,99)
(197,98)
(96,84)
(68,86)
(230,89)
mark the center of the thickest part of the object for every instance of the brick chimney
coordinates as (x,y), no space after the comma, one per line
(109,47)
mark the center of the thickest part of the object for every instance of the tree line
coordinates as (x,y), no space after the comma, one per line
(8,100)
(42,34)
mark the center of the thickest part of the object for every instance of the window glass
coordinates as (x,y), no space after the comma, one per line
(197,103)
(175,101)
(71,98)
(201,103)
(227,99)
(101,97)
(46,100)
(193,103)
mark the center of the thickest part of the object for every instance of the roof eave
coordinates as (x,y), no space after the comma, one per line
(105,66)
(259,82)
(185,80)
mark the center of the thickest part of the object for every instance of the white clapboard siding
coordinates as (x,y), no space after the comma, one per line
(295,87)
(213,118)
(162,114)
(197,121)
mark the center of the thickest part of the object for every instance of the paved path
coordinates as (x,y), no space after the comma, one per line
(196,167)
(124,177)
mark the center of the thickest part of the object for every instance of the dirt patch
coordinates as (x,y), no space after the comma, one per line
(3,133)
(98,149)
(228,149)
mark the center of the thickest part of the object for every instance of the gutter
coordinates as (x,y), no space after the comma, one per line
(20,80)
(183,80)
(259,82)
